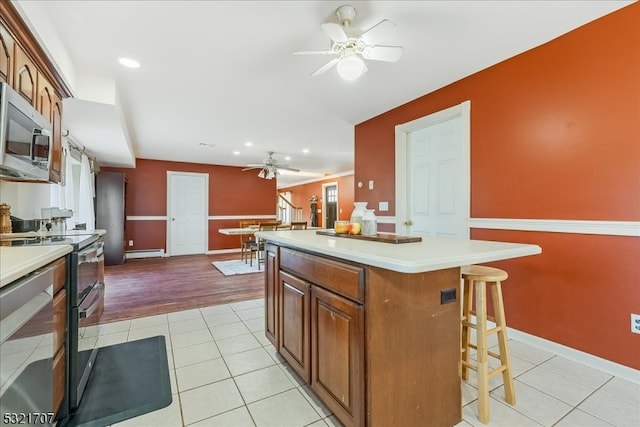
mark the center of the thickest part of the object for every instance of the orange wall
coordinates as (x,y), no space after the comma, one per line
(231,192)
(555,134)
(300,195)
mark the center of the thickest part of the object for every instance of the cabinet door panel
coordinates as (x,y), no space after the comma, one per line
(24,76)
(6,56)
(294,323)
(337,340)
(271,294)
(59,378)
(45,97)
(59,319)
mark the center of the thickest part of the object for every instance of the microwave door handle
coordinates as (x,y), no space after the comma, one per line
(32,151)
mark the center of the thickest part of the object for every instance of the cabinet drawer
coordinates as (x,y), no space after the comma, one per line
(344,279)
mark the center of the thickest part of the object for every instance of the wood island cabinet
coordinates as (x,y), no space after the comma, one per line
(378,347)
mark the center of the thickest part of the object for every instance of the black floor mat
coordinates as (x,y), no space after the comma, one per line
(127,380)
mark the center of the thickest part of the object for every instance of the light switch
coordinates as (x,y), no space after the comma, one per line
(383,206)
(370,184)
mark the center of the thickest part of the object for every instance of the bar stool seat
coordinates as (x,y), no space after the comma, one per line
(475,278)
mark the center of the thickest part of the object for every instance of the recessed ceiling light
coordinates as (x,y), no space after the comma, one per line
(236,153)
(305,151)
(128,62)
(288,158)
(248,144)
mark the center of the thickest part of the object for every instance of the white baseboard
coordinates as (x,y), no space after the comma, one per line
(587,359)
(222,251)
(145,253)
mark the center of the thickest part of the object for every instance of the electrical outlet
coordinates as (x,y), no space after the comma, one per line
(130,242)
(635,323)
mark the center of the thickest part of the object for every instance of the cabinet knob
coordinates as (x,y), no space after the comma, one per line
(408,222)
(173,219)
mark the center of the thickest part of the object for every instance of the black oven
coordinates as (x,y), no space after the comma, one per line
(86,304)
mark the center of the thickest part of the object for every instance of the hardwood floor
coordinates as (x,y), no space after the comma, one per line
(146,287)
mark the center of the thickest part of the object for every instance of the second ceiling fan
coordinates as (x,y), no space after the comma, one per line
(269,167)
(352,45)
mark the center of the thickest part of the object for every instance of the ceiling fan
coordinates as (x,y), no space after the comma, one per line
(269,167)
(351,44)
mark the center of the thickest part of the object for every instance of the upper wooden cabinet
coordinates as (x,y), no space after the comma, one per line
(6,56)
(25,67)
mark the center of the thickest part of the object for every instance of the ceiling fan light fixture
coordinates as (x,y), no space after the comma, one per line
(261,174)
(350,67)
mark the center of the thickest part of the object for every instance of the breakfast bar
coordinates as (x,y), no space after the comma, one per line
(373,327)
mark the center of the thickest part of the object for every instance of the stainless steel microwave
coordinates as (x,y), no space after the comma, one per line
(25,139)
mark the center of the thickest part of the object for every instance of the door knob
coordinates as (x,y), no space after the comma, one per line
(173,219)
(408,222)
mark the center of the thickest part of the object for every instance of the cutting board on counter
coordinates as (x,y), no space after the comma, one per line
(379,237)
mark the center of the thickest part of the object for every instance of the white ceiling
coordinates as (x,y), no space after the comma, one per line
(222,72)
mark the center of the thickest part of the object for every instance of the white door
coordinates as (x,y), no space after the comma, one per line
(433,174)
(187,198)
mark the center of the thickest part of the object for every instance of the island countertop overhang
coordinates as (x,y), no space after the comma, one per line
(432,253)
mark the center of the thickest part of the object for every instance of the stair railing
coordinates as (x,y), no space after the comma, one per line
(286,212)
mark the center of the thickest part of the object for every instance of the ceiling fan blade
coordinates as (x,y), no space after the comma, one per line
(325,67)
(287,168)
(335,32)
(251,168)
(382,53)
(384,30)
(315,52)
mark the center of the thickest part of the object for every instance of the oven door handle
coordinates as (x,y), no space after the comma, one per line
(89,310)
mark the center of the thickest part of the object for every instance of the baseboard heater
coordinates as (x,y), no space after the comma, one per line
(145,253)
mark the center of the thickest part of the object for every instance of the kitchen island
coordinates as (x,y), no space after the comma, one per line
(373,328)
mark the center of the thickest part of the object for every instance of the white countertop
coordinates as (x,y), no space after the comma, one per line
(17,261)
(432,253)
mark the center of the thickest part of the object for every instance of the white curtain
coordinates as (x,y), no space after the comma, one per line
(86,194)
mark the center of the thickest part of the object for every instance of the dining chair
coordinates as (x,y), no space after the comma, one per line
(301,225)
(246,239)
(257,245)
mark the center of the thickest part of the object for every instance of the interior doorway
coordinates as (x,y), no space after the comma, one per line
(188,211)
(433,174)
(330,204)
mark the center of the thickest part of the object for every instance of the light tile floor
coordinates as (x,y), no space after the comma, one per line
(225,373)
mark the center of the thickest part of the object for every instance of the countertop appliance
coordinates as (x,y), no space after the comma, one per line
(25,139)
(85,303)
(26,343)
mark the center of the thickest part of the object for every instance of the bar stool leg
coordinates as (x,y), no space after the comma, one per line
(507,377)
(482,355)
(467,297)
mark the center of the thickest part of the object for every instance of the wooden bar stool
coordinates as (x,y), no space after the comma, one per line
(480,276)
